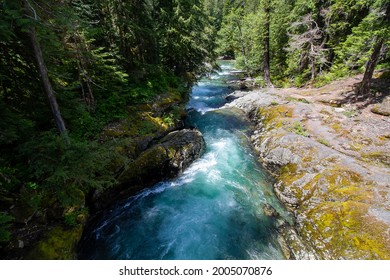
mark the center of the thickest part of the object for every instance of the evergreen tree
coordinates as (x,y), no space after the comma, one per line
(367,43)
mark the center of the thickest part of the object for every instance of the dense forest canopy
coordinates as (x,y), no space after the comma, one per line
(305,40)
(69,68)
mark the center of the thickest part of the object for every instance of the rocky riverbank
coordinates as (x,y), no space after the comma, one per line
(150,145)
(330,153)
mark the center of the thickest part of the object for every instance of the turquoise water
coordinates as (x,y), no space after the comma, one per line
(212,211)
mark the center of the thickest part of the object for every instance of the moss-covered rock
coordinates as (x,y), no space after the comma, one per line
(383,108)
(170,156)
(58,243)
(165,159)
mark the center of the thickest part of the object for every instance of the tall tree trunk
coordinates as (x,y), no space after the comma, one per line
(266,54)
(365,85)
(44,74)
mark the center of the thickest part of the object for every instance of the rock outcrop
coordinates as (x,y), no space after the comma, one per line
(165,159)
(326,171)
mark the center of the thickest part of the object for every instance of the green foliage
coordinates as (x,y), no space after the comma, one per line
(73,218)
(310,41)
(299,129)
(169,119)
(336,72)
(350,113)
(5,222)
(355,51)
(324,142)
(58,165)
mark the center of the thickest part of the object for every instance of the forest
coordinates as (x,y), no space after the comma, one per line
(70,69)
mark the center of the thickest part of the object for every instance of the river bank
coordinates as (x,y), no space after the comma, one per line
(329,152)
(151,144)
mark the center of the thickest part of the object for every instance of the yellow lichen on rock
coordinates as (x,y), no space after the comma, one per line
(346,231)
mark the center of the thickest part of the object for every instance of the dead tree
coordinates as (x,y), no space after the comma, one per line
(309,41)
(43,71)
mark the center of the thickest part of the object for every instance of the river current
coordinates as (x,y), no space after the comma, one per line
(213,211)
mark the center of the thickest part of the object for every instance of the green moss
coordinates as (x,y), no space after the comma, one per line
(302,100)
(288,175)
(157,116)
(58,244)
(299,129)
(275,116)
(377,156)
(356,146)
(324,142)
(337,127)
(146,165)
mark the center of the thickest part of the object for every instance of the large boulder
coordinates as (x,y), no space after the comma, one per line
(167,158)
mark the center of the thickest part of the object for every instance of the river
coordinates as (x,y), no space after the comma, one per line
(213,211)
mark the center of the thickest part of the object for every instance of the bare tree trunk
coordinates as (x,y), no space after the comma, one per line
(313,69)
(365,85)
(266,55)
(44,75)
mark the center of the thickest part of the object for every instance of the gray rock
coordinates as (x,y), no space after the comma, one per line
(292,245)
(166,159)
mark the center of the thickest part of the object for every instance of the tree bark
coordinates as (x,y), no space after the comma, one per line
(266,54)
(313,69)
(45,77)
(365,85)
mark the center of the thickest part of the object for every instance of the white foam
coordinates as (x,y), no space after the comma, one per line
(203,165)
(214,176)
(199,106)
(167,249)
(152,213)
(183,180)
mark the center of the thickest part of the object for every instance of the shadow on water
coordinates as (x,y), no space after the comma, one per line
(213,211)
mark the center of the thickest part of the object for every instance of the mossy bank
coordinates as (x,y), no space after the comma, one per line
(150,144)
